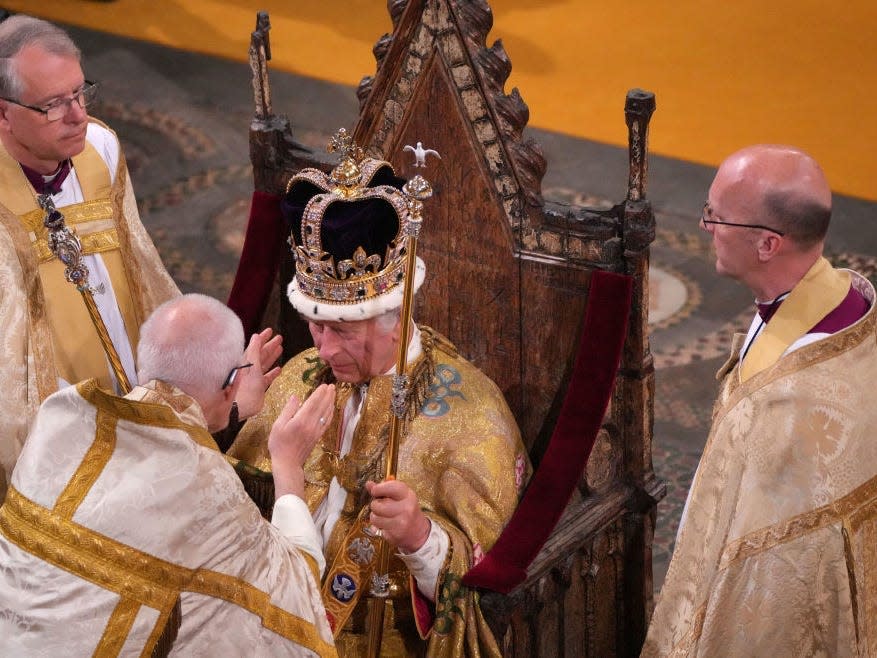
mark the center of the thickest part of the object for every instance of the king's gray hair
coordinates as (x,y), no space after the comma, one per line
(386,321)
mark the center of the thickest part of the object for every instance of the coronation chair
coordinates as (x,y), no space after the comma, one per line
(549,300)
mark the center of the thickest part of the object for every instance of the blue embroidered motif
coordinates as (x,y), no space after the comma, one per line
(436,403)
(343,587)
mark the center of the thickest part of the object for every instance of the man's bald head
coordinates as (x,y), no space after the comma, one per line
(778,186)
(192,342)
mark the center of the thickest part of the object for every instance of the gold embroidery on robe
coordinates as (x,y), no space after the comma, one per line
(29,359)
(778,549)
(80,526)
(458,455)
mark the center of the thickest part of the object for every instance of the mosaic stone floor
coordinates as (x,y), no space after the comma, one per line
(183,120)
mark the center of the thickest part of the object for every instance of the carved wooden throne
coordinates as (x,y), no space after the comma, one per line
(508,282)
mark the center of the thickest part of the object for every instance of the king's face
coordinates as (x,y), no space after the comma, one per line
(356,351)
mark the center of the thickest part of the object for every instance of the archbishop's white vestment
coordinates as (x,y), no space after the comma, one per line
(121,515)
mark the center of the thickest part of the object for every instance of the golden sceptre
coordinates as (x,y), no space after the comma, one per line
(65,246)
(416,191)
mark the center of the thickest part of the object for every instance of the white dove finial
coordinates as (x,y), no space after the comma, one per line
(420,153)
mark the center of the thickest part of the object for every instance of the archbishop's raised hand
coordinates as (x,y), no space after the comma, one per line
(293,436)
(263,351)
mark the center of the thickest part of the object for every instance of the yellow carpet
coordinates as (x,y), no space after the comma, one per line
(726,74)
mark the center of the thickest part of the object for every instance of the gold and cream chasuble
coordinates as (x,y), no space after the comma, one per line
(47,333)
(121,510)
(463,457)
(777,555)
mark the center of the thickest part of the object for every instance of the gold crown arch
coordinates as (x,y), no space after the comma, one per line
(360,278)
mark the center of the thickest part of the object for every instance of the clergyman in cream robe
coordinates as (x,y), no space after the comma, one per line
(126,532)
(777,554)
(47,336)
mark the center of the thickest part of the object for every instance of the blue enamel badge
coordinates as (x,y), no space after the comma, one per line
(343,587)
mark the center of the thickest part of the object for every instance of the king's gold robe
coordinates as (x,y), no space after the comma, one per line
(462,455)
(46,332)
(777,555)
(126,531)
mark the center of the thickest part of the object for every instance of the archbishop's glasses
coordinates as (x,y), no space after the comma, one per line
(233,373)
